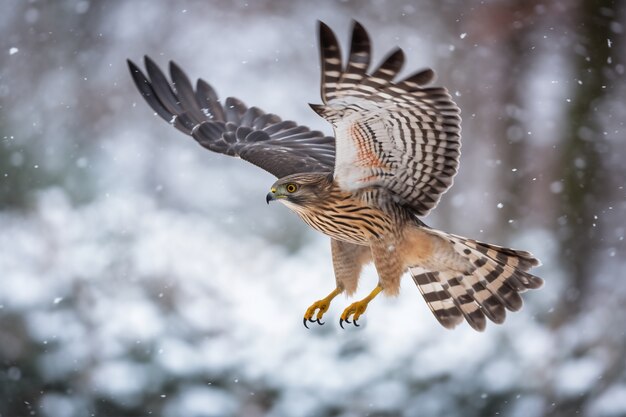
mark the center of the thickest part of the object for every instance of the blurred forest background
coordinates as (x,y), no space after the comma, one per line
(141,275)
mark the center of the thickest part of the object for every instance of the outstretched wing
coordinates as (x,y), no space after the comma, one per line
(279,147)
(397,135)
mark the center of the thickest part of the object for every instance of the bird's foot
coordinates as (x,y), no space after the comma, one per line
(356,309)
(321,307)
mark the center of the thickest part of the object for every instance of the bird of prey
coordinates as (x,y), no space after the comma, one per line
(395,151)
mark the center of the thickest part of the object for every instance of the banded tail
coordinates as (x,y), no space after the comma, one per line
(491,284)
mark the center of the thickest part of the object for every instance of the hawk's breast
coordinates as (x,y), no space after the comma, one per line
(346,219)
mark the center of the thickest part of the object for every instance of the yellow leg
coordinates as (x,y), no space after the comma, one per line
(321,306)
(358,308)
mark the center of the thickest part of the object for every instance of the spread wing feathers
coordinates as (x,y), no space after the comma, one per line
(398,135)
(490,285)
(280,147)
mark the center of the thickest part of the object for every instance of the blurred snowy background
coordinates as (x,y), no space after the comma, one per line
(142,275)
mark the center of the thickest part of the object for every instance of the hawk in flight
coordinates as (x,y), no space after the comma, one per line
(394,153)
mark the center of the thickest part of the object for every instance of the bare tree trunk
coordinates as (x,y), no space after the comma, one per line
(584,176)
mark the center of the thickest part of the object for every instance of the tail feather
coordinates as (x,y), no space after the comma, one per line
(489,282)
(439,301)
(518,259)
(470,309)
(492,304)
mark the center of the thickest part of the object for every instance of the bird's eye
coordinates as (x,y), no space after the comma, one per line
(291,188)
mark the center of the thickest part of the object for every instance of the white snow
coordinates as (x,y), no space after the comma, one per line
(576,377)
(201,401)
(154,274)
(611,403)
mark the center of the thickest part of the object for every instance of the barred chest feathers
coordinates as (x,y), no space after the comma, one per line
(352,218)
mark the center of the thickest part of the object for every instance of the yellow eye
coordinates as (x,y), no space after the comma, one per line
(291,188)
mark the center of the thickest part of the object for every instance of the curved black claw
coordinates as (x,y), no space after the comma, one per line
(347,320)
(355,324)
(304,320)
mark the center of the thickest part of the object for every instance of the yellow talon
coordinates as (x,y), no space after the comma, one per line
(357,308)
(321,306)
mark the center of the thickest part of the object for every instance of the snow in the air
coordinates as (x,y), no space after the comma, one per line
(141,274)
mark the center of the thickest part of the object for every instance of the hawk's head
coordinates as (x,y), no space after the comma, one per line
(300,189)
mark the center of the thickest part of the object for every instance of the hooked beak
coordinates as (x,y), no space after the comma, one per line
(271,196)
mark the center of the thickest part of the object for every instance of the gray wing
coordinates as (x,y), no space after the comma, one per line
(400,136)
(280,147)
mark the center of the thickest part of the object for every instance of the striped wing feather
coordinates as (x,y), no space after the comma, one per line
(397,135)
(280,147)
